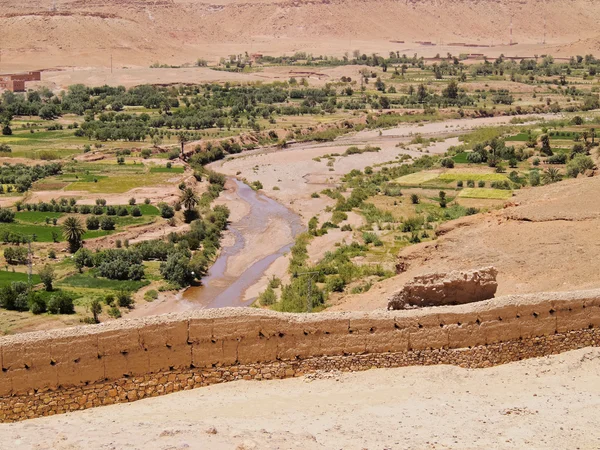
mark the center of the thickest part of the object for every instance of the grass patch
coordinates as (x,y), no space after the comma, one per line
(36,216)
(158,169)
(485,193)
(466,176)
(84,280)
(461,158)
(9,277)
(521,137)
(417,178)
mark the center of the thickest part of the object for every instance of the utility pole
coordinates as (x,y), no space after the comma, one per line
(29,262)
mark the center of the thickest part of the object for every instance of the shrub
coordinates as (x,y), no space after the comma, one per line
(119,264)
(6,215)
(61,303)
(51,254)
(15,255)
(124,299)
(92,223)
(107,223)
(336,284)
(83,258)
(447,163)
(372,238)
(481,184)
(166,211)
(47,276)
(37,304)
(459,184)
(114,312)
(267,297)
(150,295)
(414,198)
(136,211)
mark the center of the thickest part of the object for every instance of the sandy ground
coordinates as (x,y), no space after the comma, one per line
(544,403)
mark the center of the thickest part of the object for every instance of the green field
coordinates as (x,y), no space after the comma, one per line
(87,281)
(521,137)
(36,216)
(417,178)
(485,193)
(175,170)
(7,277)
(461,158)
(466,176)
(43,233)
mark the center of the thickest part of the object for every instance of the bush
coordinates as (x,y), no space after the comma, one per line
(107,223)
(47,276)
(481,184)
(372,238)
(459,184)
(6,215)
(414,198)
(92,223)
(15,255)
(118,264)
(37,304)
(61,303)
(177,269)
(166,211)
(267,297)
(335,284)
(150,295)
(83,258)
(136,211)
(124,299)
(448,163)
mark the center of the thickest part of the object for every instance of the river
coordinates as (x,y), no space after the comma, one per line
(219,289)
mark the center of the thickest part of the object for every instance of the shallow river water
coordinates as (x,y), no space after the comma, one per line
(220,290)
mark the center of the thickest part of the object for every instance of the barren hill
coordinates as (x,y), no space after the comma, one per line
(546,241)
(138,32)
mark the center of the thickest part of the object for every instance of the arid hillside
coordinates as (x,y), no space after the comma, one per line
(138,32)
(546,241)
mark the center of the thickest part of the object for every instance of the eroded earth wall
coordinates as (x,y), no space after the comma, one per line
(46,373)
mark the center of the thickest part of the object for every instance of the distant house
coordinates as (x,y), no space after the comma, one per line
(15,82)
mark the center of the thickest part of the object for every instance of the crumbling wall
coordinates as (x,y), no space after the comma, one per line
(453,288)
(51,372)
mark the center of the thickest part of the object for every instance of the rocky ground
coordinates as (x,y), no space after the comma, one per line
(544,403)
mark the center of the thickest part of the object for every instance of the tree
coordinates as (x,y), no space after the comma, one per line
(189,200)
(73,232)
(451,90)
(551,175)
(545,140)
(47,276)
(443,201)
(96,309)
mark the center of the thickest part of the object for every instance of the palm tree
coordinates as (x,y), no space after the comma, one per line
(73,231)
(189,199)
(551,175)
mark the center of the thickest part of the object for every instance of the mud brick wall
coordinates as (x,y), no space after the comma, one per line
(46,373)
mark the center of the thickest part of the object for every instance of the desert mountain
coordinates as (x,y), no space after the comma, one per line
(137,32)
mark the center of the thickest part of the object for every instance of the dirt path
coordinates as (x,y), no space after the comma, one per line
(544,403)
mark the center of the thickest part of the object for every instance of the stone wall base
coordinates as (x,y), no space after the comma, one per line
(57,401)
